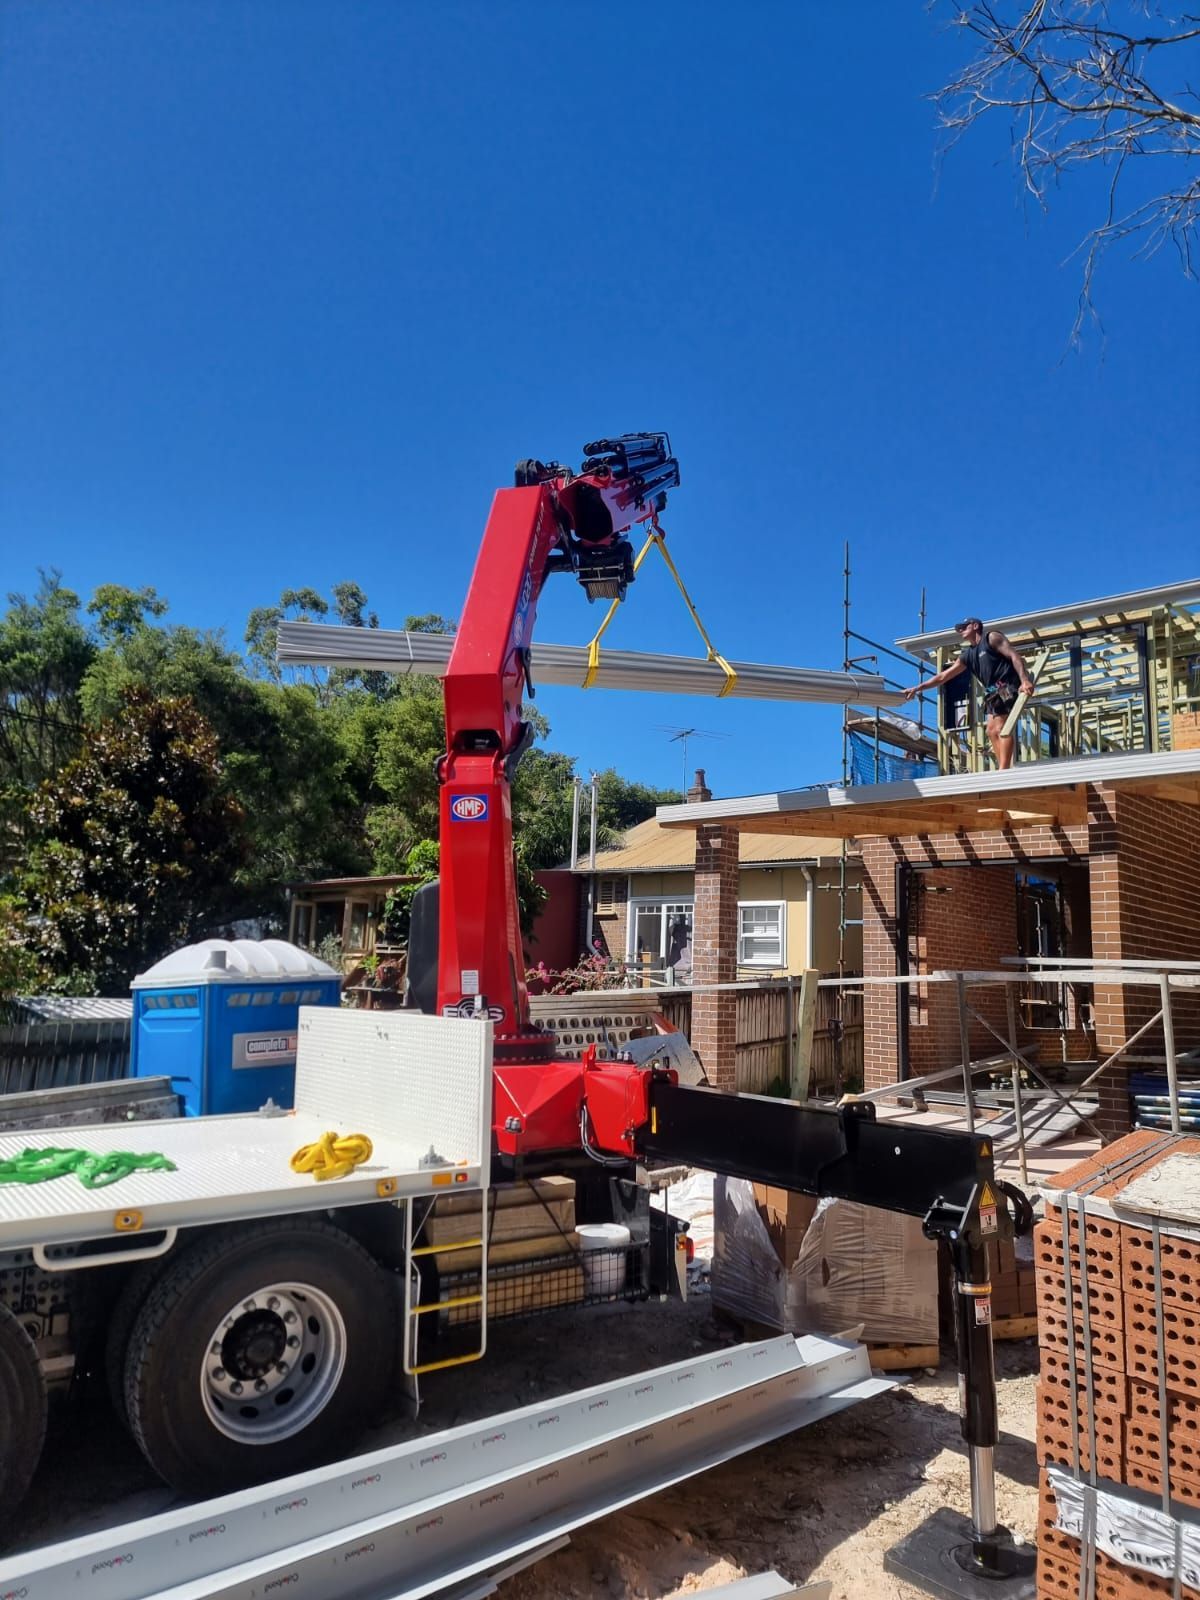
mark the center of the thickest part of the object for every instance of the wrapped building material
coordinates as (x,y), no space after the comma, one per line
(747,1275)
(859,1266)
(856,1267)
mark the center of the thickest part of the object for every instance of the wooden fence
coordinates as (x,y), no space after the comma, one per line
(56,1055)
(766,1023)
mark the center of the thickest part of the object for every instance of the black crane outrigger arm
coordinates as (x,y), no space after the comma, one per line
(945,1177)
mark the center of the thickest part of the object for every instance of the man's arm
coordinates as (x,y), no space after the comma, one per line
(952,671)
(1002,647)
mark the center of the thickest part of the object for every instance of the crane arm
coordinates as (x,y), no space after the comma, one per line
(553,520)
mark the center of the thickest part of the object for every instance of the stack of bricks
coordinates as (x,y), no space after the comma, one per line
(1120,1421)
(1014,1291)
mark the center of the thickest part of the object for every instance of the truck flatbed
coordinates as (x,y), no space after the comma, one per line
(417,1086)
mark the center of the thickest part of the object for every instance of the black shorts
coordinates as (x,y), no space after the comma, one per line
(999,702)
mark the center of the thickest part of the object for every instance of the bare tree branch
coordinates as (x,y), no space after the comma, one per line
(1078,89)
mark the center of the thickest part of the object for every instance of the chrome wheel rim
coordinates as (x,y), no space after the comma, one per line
(272,1363)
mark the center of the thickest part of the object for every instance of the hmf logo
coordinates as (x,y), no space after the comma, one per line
(469,807)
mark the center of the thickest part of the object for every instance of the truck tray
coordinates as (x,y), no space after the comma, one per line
(417,1086)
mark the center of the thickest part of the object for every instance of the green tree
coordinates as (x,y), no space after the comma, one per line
(45,650)
(307,605)
(281,754)
(542,801)
(136,841)
(120,612)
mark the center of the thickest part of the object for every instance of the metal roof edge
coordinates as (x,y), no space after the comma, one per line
(1058,774)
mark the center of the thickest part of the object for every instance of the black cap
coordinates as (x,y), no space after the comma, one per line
(967,622)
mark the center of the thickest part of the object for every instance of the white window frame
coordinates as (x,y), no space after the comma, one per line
(775,905)
(640,903)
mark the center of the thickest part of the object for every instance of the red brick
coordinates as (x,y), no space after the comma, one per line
(1180,1263)
(1055,1441)
(1107,1336)
(1181,1338)
(1102,1242)
(1108,1383)
(1143,1443)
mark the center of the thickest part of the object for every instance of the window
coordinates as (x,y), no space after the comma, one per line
(608,893)
(356,937)
(660,933)
(761,934)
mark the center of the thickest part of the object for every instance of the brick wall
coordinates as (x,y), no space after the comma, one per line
(1145,905)
(1012,848)
(610,922)
(1185,730)
(958,920)
(1143,858)
(714,953)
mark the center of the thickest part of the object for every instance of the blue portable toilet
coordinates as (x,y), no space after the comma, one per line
(219,1018)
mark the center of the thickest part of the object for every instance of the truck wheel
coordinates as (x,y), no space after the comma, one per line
(258,1353)
(121,1318)
(23,1409)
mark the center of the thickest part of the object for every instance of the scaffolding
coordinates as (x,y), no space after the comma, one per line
(892,742)
(1113,675)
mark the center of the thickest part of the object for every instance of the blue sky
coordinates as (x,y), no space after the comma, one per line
(286,286)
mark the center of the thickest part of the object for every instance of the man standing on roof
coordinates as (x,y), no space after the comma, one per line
(1000,668)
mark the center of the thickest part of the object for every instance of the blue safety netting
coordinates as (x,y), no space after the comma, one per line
(871,765)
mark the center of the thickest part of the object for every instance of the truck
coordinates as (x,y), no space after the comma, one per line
(250,1316)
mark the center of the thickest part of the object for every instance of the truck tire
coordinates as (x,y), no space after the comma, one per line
(23,1411)
(121,1318)
(259,1352)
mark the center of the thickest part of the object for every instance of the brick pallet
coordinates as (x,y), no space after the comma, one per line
(1118,1410)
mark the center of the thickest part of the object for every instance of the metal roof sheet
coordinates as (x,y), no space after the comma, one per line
(71,1008)
(1114,605)
(649,847)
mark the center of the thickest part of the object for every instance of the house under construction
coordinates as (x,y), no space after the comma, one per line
(1086,852)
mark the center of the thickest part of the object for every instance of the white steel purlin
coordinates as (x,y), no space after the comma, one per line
(428,654)
(435,1511)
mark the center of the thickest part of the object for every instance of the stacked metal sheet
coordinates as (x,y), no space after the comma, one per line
(428,654)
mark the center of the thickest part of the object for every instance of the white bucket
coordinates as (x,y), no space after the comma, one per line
(604,1260)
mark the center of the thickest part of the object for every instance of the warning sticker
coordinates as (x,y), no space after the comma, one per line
(983,1309)
(987,1219)
(985,1149)
(987,1198)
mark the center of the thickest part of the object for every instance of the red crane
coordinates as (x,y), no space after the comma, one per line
(467,927)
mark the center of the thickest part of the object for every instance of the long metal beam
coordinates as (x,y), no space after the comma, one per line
(436,1511)
(428,655)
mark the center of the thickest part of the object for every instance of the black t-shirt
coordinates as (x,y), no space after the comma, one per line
(992,669)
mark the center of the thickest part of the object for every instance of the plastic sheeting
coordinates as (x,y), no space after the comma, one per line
(857,1267)
(1132,1529)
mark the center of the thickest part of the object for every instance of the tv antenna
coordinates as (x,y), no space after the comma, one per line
(680,736)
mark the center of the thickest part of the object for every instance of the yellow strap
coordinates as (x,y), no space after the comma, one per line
(333,1155)
(654,537)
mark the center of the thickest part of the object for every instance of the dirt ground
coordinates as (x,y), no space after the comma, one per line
(824,1503)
